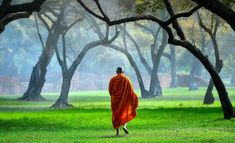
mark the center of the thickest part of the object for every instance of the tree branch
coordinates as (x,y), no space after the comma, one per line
(71,25)
(44,22)
(142,59)
(48,17)
(9,12)
(184,14)
(39,35)
(64,51)
(175,23)
(59,59)
(203,25)
(124,36)
(89,46)
(119,21)
(220,9)
(10,17)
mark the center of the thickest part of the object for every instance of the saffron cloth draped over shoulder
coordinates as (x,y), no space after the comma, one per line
(123,100)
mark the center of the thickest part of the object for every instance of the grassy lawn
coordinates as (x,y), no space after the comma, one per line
(178,116)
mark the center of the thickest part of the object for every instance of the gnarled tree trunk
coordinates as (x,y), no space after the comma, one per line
(38,75)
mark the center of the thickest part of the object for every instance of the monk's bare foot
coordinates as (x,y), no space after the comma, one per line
(125,130)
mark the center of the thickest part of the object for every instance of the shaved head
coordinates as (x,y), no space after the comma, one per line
(119,70)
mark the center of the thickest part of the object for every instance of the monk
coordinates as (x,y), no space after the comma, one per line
(124,101)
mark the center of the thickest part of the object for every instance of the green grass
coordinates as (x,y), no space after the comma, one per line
(178,116)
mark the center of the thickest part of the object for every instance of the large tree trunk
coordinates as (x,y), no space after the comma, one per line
(223,95)
(62,101)
(35,85)
(37,78)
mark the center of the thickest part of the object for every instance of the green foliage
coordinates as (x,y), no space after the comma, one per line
(152,6)
(181,5)
(148,5)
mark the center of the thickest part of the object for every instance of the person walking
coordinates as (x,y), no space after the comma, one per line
(124,101)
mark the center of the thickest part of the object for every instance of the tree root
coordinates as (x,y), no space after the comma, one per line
(30,97)
(62,105)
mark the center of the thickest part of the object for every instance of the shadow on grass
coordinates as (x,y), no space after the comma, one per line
(97,119)
(24,124)
(112,136)
(23,109)
(47,124)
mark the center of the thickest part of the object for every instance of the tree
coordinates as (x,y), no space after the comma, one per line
(68,71)
(212,32)
(125,51)
(156,54)
(155,88)
(223,95)
(38,74)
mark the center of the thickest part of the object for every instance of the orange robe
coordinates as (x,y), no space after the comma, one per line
(123,100)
